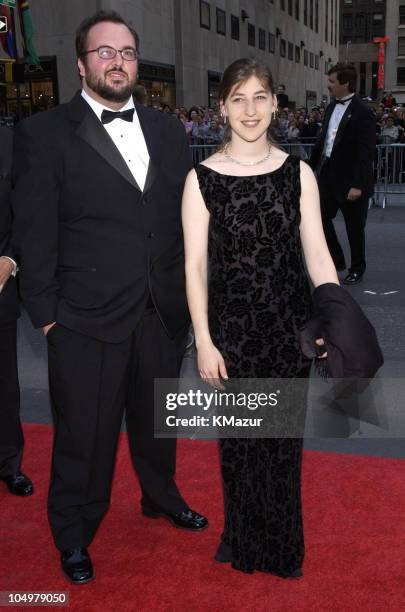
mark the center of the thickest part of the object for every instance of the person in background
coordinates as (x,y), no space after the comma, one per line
(140,94)
(188,125)
(215,132)
(389,133)
(282,97)
(343,158)
(389,101)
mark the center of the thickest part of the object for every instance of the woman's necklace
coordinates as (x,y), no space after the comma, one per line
(236,161)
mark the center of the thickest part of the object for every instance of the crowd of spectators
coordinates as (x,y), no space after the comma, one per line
(204,124)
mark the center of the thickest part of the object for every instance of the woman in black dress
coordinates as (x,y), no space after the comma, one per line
(253,209)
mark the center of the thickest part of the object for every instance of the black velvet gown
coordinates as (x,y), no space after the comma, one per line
(258,301)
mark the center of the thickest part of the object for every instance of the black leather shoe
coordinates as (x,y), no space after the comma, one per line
(352,278)
(77,565)
(19,484)
(188,519)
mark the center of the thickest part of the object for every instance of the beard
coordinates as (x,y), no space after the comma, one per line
(119,93)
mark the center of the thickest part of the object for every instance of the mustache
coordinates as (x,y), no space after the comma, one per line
(117,70)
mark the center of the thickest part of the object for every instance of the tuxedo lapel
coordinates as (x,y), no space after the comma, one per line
(343,122)
(325,125)
(92,131)
(152,137)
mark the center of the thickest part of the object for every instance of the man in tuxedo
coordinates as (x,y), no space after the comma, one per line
(99,243)
(343,159)
(11,436)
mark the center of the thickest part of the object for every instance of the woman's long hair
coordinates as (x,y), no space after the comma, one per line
(239,72)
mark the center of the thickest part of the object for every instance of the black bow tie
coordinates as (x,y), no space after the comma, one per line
(343,101)
(108,116)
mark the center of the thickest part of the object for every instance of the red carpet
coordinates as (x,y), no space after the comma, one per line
(354,517)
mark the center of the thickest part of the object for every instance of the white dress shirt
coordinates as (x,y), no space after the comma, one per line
(127,137)
(334,123)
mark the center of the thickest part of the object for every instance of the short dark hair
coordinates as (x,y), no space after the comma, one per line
(346,73)
(100,17)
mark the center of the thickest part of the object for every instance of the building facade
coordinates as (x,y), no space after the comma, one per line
(395,50)
(360,22)
(186,44)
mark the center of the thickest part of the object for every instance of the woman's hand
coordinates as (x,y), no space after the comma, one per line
(6,269)
(211,365)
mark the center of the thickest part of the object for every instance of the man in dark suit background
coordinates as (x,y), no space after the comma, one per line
(282,97)
(343,159)
(11,436)
(99,244)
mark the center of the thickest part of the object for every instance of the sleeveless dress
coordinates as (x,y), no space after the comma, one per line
(258,301)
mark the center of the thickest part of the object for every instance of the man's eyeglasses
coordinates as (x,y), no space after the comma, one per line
(108,53)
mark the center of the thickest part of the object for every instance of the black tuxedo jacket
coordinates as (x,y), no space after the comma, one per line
(89,242)
(351,161)
(8,297)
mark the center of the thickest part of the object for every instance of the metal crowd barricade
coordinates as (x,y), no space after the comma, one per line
(389,165)
(389,172)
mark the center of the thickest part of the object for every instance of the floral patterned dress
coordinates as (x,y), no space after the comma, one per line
(258,301)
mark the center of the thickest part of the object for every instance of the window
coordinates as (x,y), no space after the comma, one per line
(305,12)
(262,39)
(378,17)
(402,15)
(234,27)
(305,57)
(272,43)
(221,21)
(359,21)
(251,35)
(316,62)
(347,22)
(326,19)
(290,51)
(297,54)
(311,14)
(290,7)
(401,45)
(336,23)
(401,75)
(282,47)
(282,5)
(205,15)
(297,10)
(316,16)
(311,60)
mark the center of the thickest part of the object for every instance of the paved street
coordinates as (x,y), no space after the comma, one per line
(381,294)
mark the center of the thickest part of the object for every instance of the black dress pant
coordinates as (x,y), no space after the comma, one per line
(91,383)
(11,436)
(355,216)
